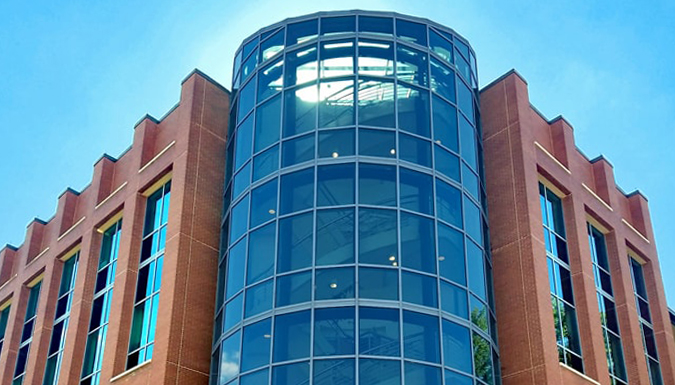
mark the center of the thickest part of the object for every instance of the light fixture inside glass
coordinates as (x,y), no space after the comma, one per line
(335,155)
(333,285)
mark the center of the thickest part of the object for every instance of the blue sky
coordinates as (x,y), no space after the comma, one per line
(77,76)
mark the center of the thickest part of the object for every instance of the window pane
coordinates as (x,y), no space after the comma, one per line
(445,124)
(468,135)
(421,337)
(273,45)
(377,185)
(242,150)
(377,237)
(442,80)
(376,58)
(297,191)
(336,143)
(462,66)
(419,289)
(261,253)
(377,143)
(246,100)
(239,221)
(380,25)
(301,66)
(233,312)
(295,243)
(378,283)
(472,220)
(291,336)
(453,300)
(418,249)
(264,203)
(440,46)
(270,80)
(300,32)
(447,163)
(258,298)
(452,378)
(334,331)
(482,358)
(332,25)
(337,58)
(411,65)
(329,372)
(294,288)
(335,237)
(335,185)
(379,332)
(267,123)
(414,150)
(451,254)
(297,150)
(229,358)
(336,103)
(242,180)
(256,345)
(470,181)
(479,313)
(300,110)
(476,270)
(465,100)
(416,191)
(376,103)
(413,110)
(411,32)
(292,374)
(259,377)
(379,372)
(421,374)
(334,283)
(266,163)
(457,346)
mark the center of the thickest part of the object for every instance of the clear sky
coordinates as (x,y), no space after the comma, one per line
(77,75)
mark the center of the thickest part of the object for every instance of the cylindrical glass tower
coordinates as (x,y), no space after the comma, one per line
(354,232)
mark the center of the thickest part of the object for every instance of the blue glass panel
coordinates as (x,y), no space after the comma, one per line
(331,372)
(267,123)
(259,298)
(336,103)
(301,66)
(472,220)
(476,264)
(411,32)
(454,300)
(379,372)
(295,242)
(470,181)
(246,100)
(256,345)
(297,191)
(377,143)
(479,313)
(377,185)
(233,312)
(413,110)
(337,59)
(239,219)
(257,378)
(411,65)
(336,143)
(446,163)
(376,58)
(248,67)
(249,46)
(229,358)
(453,378)
(416,191)
(442,80)
(379,332)
(421,374)
(468,138)
(294,288)
(445,124)
(482,358)
(333,25)
(462,66)
(376,103)
(242,180)
(270,80)
(272,46)
(377,237)
(263,203)
(448,203)
(335,237)
(261,253)
(242,150)
(457,346)
(300,110)
(418,249)
(334,283)
(419,289)
(336,185)
(334,331)
(297,150)
(266,163)
(378,283)
(236,261)
(465,100)
(292,374)
(440,46)
(300,32)
(421,337)
(414,150)
(379,25)
(291,336)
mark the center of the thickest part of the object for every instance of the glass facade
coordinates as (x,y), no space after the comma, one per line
(607,306)
(146,301)
(645,317)
(100,309)
(4,318)
(27,333)
(560,280)
(61,318)
(354,244)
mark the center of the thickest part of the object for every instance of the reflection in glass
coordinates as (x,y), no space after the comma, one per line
(295,243)
(472,220)
(259,377)
(413,110)
(297,191)
(377,185)
(241,180)
(414,150)
(270,80)
(379,332)
(418,249)
(229,358)
(453,300)
(476,264)
(421,374)
(376,103)
(335,185)
(379,372)
(334,25)
(376,58)
(377,143)
(330,372)
(373,24)
(445,124)
(468,141)
(334,331)
(267,123)
(301,66)
(242,150)
(440,46)
(261,253)
(465,100)
(249,66)
(264,203)
(457,346)
(442,80)
(334,283)
(233,312)
(297,150)
(266,163)
(300,110)
(256,345)
(336,103)
(336,143)
(291,336)
(377,237)
(421,337)
(479,313)
(272,46)
(455,378)
(448,203)
(239,219)
(451,254)
(416,191)
(419,289)
(291,374)
(298,33)
(258,298)
(294,288)
(482,358)
(337,58)
(335,237)
(411,32)
(377,283)
(411,65)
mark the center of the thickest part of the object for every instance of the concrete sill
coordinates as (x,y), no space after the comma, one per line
(574,371)
(130,371)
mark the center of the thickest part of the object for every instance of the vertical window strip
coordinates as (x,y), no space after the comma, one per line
(61,318)
(144,320)
(560,280)
(607,306)
(27,334)
(4,317)
(644,315)
(100,310)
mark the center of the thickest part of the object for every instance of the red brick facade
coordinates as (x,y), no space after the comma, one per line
(187,146)
(522,148)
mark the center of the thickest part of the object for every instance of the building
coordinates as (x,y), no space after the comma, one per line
(328,225)
(672,320)
(595,260)
(354,222)
(119,285)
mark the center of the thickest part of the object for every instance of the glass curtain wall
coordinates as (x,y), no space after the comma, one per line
(4,318)
(27,333)
(354,244)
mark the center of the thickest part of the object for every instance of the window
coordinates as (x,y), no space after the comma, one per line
(337,59)
(336,143)
(376,58)
(270,80)
(297,150)
(453,300)
(236,261)
(334,371)
(294,288)
(255,347)
(291,336)
(299,33)
(373,371)
(377,143)
(411,65)
(440,46)
(261,253)
(229,358)
(421,337)
(334,331)
(264,203)
(300,110)
(242,149)
(267,123)
(379,25)
(4,317)
(297,191)
(414,150)
(144,321)
(411,32)
(61,318)
(448,203)
(482,359)
(442,80)
(378,242)
(301,66)
(336,103)
(379,332)
(413,110)
(416,191)
(447,163)
(336,185)
(608,316)
(445,124)
(377,185)
(27,333)
(266,163)
(451,254)
(334,283)
(272,46)
(335,25)
(376,103)
(295,242)
(465,100)
(419,289)
(297,373)
(239,219)
(242,180)
(421,374)
(377,283)
(335,243)
(246,100)
(418,249)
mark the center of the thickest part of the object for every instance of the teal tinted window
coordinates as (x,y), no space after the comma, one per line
(411,32)
(448,203)
(472,220)
(442,80)
(242,149)
(476,264)
(334,371)
(379,25)
(376,58)
(272,46)
(377,143)
(334,331)
(300,110)
(413,110)
(446,163)
(376,103)
(411,65)
(229,358)
(264,203)
(335,238)
(334,283)
(258,298)
(233,312)
(256,345)
(479,314)
(336,143)
(465,100)
(421,337)
(482,359)
(336,103)
(337,59)
(270,80)
(242,180)
(379,330)
(259,377)
(301,66)
(417,243)
(236,261)
(291,336)
(455,378)
(291,374)
(451,254)
(414,150)
(445,124)
(419,289)
(421,374)
(377,185)
(297,150)
(377,237)
(266,163)
(377,283)
(295,242)
(297,191)
(468,136)
(294,288)
(373,371)
(416,191)
(246,100)
(457,346)
(239,219)
(261,253)
(267,123)
(301,32)
(453,300)
(440,46)
(336,185)
(333,25)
